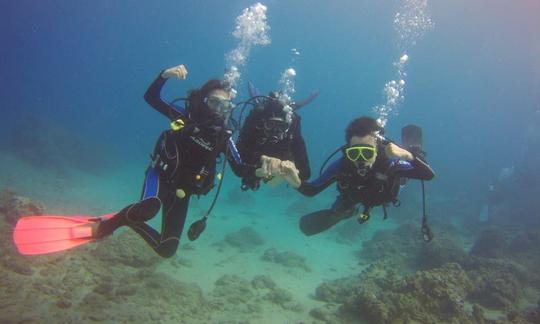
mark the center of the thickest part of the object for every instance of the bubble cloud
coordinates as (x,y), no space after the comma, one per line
(411,23)
(251,29)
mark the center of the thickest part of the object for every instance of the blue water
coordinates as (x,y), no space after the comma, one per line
(79,70)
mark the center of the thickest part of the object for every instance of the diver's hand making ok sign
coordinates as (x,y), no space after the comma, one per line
(290,173)
(269,167)
(178,71)
(275,167)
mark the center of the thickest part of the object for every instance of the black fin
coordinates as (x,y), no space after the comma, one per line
(318,221)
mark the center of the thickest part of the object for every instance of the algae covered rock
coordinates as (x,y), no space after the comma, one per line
(380,295)
(287,259)
(245,239)
(126,248)
(235,294)
(432,296)
(14,206)
(408,252)
(438,252)
(400,245)
(498,284)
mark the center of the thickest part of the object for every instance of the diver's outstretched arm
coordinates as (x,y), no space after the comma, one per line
(329,176)
(299,149)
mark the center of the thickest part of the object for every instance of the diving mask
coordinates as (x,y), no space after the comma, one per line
(219,105)
(275,125)
(361,153)
(274,130)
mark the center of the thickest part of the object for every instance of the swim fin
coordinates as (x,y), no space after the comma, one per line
(47,234)
(411,138)
(318,221)
(299,104)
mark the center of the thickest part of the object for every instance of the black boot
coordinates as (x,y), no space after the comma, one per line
(138,212)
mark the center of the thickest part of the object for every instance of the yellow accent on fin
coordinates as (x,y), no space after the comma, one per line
(198,177)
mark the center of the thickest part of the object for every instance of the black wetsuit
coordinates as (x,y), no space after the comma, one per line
(378,187)
(252,145)
(182,160)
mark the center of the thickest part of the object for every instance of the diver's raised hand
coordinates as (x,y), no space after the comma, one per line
(290,173)
(393,151)
(178,71)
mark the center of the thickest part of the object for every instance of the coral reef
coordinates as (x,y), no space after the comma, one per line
(117,281)
(379,295)
(499,284)
(287,259)
(234,294)
(407,250)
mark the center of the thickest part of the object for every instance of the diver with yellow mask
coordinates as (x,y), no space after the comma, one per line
(369,173)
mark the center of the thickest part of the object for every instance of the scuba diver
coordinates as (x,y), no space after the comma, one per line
(272,128)
(370,173)
(183,164)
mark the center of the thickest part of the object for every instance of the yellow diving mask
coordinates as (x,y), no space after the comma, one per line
(361,152)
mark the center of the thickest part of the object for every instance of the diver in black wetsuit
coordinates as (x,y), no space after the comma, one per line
(272,128)
(183,162)
(369,173)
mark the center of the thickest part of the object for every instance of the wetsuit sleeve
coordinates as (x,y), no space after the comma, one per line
(153,97)
(415,169)
(329,176)
(239,167)
(246,148)
(300,153)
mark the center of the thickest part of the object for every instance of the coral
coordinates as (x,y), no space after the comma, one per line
(288,259)
(118,277)
(128,249)
(245,239)
(336,291)
(428,296)
(399,245)
(380,295)
(408,251)
(13,206)
(234,294)
(498,284)
(443,249)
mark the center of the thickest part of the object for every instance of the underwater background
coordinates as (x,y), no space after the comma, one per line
(75,135)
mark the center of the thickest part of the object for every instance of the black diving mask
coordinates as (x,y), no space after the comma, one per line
(274,130)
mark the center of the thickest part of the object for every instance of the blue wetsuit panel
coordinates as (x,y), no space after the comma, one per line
(328,174)
(151,184)
(234,152)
